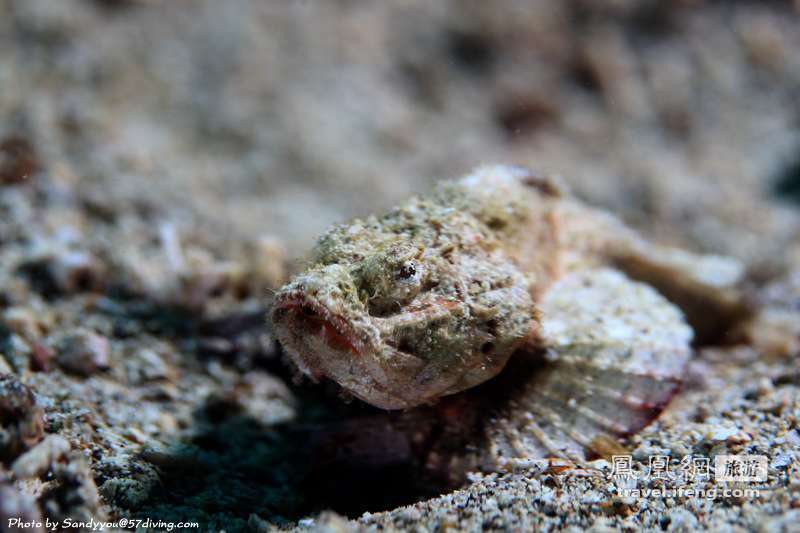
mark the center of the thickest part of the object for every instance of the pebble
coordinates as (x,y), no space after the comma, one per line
(22,321)
(76,488)
(721,433)
(765,387)
(256,524)
(152,366)
(39,459)
(84,353)
(21,419)
(682,520)
(16,399)
(74,271)
(14,504)
(18,160)
(782,460)
(269,261)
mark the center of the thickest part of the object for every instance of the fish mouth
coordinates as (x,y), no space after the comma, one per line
(305,315)
(324,344)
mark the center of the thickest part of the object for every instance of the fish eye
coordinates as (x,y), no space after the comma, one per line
(407,270)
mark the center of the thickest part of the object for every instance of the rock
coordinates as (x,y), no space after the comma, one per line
(258,525)
(18,512)
(75,271)
(75,494)
(785,522)
(22,321)
(781,461)
(21,420)
(16,399)
(56,269)
(39,459)
(269,261)
(130,492)
(146,365)
(18,160)
(729,434)
(682,520)
(40,357)
(83,353)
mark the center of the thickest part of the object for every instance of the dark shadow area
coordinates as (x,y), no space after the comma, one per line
(472,52)
(787,184)
(337,455)
(346,458)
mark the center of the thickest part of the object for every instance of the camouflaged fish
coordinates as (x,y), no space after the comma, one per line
(438,294)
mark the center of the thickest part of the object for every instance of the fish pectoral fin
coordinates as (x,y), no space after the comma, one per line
(614,354)
(579,407)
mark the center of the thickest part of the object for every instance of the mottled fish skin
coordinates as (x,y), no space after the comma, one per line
(435,296)
(410,306)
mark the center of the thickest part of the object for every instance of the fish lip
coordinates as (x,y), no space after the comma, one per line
(358,351)
(305,305)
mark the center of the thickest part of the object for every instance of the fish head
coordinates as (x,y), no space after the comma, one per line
(397,324)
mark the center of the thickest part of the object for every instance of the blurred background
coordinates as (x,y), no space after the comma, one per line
(282,117)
